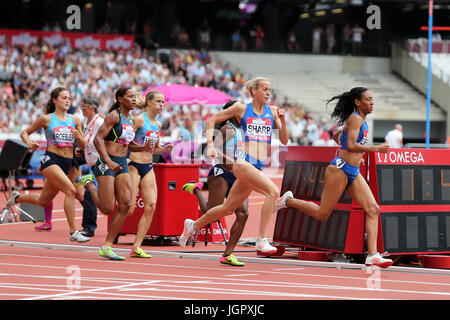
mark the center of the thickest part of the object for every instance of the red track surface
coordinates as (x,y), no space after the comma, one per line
(46,266)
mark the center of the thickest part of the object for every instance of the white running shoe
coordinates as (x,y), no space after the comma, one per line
(263,246)
(188,232)
(281,202)
(12,200)
(77,236)
(377,260)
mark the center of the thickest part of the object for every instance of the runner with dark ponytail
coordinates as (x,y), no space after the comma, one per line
(342,173)
(346,104)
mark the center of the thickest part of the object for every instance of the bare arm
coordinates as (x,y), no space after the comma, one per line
(41,122)
(99,141)
(354,124)
(280,122)
(78,133)
(158,149)
(235,111)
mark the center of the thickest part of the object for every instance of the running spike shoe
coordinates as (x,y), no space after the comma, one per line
(84,180)
(281,202)
(231,260)
(139,253)
(263,246)
(46,226)
(191,186)
(188,232)
(110,254)
(377,260)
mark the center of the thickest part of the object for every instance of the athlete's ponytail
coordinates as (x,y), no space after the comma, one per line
(346,104)
(119,93)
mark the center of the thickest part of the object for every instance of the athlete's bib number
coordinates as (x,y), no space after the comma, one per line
(259,129)
(63,137)
(127,134)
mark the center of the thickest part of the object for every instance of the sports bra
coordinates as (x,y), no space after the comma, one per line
(257,127)
(123,131)
(362,136)
(59,132)
(146,132)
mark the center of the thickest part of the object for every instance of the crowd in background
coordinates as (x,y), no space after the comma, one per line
(29,74)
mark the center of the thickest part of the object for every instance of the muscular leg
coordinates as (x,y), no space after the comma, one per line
(105,192)
(122,187)
(335,184)
(262,184)
(237,228)
(56,180)
(218,188)
(135,181)
(148,191)
(238,193)
(75,172)
(360,192)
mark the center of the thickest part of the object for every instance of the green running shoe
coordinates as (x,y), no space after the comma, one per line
(191,186)
(108,253)
(139,253)
(231,260)
(83,180)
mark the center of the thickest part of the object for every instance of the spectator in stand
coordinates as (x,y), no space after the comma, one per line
(312,131)
(394,138)
(205,34)
(183,40)
(259,38)
(331,38)
(292,43)
(316,37)
(236,40)
(346,38)
(357,37)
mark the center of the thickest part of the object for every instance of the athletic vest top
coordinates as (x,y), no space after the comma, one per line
(235,146)
(147,131)
(362,136)
(257,127)
(59,132)
(123,131)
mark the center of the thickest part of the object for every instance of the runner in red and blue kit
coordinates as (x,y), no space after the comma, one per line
(343,174)
(257,121)
(257,128)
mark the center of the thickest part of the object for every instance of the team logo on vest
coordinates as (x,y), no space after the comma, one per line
(103,167)
(259,129)
(340,163)
(218,171)
(44,159)
(64,137)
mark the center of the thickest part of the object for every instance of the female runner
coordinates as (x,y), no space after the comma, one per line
(111,169)
(141,165)
(343,173)
(220,180)
(257,120)
(61,130)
